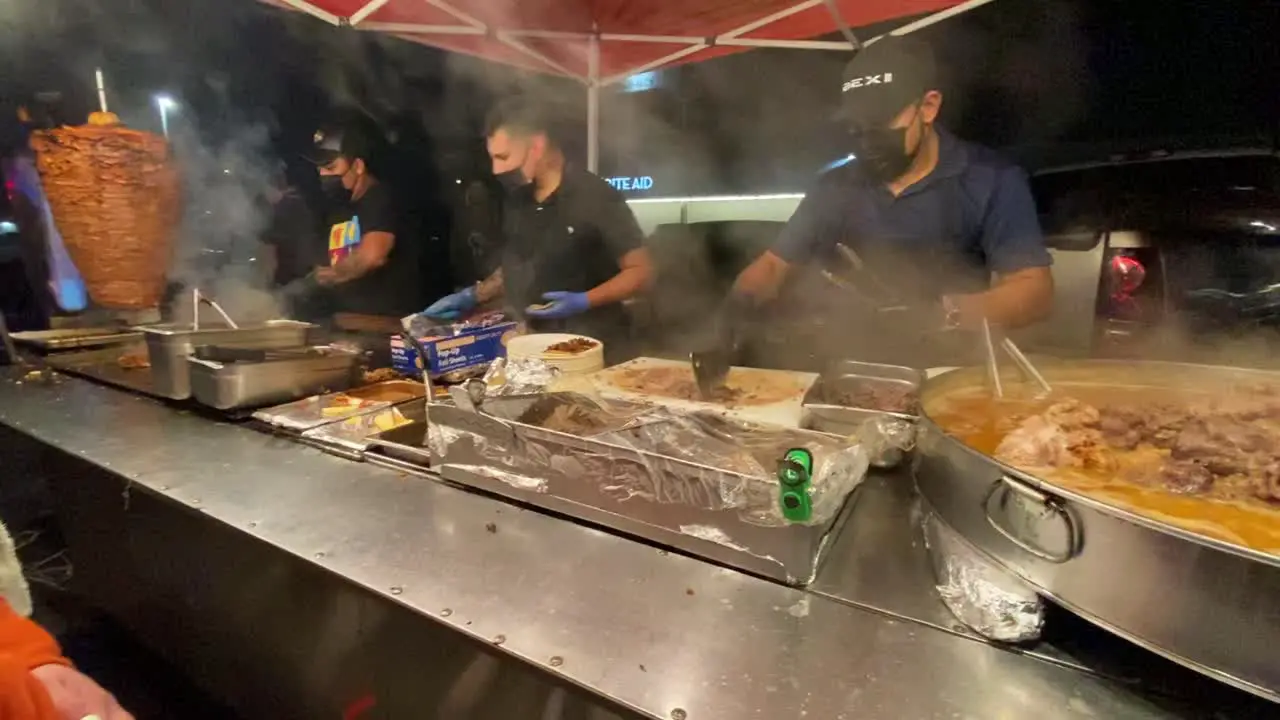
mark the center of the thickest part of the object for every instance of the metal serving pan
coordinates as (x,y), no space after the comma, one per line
(1205,603)
(352,436)
(312,412)
(74,338)
(824,416)
(282,376)
(169,345)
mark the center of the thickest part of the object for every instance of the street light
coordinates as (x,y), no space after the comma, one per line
(165,104)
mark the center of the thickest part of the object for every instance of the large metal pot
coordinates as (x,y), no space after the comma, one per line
(1210,605)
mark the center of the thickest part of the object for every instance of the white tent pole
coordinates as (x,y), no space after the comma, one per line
(416,29)
(313,11)
(372,7)
(593,103)
(768,20)
(664,60)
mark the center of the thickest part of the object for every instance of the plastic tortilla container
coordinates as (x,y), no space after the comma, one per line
(535,347)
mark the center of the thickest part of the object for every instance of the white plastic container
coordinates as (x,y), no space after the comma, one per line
(535,347)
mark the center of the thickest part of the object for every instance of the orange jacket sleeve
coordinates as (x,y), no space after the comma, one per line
(24,646)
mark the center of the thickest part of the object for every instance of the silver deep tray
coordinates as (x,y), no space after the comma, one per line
(820,414)
(297,374)
(576,476)
(169,345)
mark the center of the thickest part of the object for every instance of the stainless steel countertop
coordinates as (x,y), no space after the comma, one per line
(667,635)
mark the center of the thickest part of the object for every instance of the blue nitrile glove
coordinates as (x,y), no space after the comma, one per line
(451,307)
(561,305)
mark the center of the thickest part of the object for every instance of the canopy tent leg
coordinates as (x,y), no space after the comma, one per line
(593,103)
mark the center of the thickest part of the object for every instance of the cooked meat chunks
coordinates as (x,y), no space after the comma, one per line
(1266,482)
(1036,443)
(1208,442)
(1186,477)
(1065,435)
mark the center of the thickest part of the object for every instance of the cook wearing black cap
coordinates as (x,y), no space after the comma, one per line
(371,270)
(932,217)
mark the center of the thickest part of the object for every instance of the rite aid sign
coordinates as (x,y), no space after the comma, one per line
(631,183)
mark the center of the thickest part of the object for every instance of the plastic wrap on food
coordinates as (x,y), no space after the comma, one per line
(986,598)
(886,437)
(519,376)
(523,467)
(645,452)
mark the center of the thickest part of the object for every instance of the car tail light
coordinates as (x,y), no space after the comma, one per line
(1126,275)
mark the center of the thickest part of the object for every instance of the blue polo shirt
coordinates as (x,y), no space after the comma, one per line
(972,216)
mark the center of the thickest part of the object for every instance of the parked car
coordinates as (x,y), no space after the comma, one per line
(1166,256)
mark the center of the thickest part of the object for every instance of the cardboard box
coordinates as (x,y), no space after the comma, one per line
(462,346)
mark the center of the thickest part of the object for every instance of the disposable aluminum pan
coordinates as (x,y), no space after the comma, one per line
(669,501)
(1205,603)
(169,345)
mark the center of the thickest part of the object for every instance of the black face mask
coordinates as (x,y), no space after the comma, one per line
(331,186)
(882,152)
(512,180)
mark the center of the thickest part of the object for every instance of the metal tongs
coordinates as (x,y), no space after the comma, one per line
(198,297)
(1020,360)
(711,364)
(868,288)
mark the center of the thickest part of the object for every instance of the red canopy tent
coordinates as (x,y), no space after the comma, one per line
(603,41)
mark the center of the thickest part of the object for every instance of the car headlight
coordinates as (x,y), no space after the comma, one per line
(8,228)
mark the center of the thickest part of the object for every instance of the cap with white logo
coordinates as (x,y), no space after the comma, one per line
(883,79)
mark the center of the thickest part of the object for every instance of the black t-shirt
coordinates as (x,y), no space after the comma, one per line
(571,241)
(391,290)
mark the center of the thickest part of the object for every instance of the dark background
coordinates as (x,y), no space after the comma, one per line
(1050,80)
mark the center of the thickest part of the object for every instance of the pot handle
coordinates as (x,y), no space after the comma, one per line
(1049,506)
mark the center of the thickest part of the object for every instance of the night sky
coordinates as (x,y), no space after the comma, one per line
(1043,78)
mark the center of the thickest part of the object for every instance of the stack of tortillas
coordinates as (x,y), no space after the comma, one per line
(576,362)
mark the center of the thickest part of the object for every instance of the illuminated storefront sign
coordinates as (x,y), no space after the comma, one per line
(626,184)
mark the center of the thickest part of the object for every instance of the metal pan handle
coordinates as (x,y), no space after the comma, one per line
(1048,506)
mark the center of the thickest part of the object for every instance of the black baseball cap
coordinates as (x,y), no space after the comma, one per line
(883,79)
(352,140)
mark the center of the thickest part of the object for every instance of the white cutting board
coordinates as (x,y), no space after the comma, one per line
(786,413)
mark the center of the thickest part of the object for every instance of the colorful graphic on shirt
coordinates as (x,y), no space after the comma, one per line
(344,238)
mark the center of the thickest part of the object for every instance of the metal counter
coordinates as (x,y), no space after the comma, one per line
(650,633)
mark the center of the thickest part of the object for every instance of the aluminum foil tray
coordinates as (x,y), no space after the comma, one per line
(694,507)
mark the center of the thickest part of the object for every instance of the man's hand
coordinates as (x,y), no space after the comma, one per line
(562,305)
(762,279)
(326,276)
(1017,299)
(76,696)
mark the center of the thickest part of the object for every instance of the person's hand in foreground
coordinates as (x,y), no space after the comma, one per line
(38,683)
(76,696)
